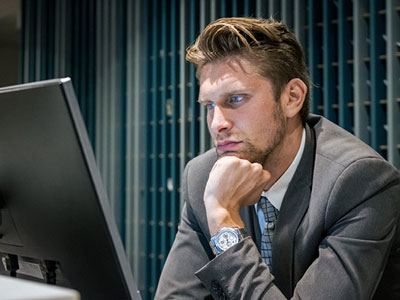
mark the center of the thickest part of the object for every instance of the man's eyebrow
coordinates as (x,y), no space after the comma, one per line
(201,100)
(227,94)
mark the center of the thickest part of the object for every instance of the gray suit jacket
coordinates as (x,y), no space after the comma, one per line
(337,236)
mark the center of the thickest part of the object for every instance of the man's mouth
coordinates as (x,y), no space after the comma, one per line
(227,145)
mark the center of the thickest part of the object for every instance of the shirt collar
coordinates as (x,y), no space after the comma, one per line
(277,191)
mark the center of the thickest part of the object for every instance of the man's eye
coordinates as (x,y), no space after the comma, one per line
(210,106)
(237,98)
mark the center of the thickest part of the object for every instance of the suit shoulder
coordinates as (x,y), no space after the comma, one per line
(204,161)
(196,174)
(338,146)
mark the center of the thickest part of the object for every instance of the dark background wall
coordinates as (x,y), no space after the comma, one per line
(138,95)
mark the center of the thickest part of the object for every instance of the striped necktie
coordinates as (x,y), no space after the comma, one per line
(271,216)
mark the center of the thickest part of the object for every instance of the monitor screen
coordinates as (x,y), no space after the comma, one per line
(56,224)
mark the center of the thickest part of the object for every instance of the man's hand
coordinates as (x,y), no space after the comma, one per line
(233,182)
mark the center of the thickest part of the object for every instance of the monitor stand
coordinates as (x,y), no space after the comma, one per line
(47,271)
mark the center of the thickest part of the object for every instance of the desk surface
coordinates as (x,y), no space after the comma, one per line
(19,289)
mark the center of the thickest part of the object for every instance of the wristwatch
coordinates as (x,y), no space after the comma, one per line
(225,238)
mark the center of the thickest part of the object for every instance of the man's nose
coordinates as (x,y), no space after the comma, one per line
(220,120)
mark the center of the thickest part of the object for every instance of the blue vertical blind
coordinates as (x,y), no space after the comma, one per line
(53,46)
(138,96)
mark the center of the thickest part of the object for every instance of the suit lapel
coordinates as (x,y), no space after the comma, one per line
(294,206)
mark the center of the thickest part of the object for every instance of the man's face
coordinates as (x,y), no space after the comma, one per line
(242,115)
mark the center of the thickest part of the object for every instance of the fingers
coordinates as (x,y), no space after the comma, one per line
(236,181)
(243,168)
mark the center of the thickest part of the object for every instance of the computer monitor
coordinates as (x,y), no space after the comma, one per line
(55,220)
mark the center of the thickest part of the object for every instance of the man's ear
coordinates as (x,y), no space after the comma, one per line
(294,95)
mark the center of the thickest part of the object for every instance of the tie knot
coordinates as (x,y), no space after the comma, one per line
(270,212)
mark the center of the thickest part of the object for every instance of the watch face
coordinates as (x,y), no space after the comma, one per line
(227,239)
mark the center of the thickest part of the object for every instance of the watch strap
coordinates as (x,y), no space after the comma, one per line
(240,233)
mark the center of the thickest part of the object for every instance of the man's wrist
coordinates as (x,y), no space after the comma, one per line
(220,217)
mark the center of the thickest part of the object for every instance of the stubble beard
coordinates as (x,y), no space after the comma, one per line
(262,156)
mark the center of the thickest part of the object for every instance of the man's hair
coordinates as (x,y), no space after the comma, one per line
(266,43)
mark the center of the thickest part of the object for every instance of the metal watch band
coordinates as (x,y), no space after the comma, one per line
(230,236)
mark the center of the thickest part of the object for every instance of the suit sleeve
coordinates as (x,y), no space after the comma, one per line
(361,217)
(190,252)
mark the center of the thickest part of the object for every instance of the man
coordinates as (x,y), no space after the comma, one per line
(327,223)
